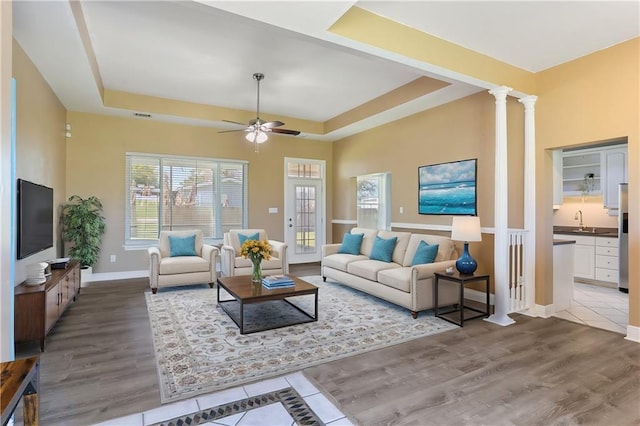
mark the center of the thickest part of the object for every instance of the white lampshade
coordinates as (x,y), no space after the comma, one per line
(466,228)
(257,136)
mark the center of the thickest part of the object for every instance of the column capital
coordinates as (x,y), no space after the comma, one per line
(500,92)
(528,101)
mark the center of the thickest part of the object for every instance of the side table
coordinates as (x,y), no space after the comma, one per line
(20,380)
(461,280)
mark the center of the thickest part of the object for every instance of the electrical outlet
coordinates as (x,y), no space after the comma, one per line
(113,258)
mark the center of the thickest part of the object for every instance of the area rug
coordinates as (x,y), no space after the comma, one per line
(199,349)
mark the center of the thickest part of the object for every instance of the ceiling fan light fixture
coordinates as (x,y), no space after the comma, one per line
(257,136)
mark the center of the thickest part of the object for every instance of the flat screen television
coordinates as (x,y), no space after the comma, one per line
(35,218)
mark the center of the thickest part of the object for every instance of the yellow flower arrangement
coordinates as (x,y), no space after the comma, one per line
(256,250)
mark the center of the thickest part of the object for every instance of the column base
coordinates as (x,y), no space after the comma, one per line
(503,320)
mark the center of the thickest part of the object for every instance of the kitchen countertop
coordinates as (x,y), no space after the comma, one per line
(589,231)
(557,242)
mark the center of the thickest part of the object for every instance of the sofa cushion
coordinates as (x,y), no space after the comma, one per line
(340,261)
(351,244)
(383,249)
(183,265)
(182,246)
(398,278)
(369,268)
(401,244)
(368,239)
(425,253)
(446,248)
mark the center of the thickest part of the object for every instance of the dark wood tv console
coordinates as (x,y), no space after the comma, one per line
(38,307)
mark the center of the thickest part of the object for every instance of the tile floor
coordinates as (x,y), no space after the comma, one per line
(272,414)
(600,307)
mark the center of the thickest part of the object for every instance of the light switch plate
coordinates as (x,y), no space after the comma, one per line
(273,210)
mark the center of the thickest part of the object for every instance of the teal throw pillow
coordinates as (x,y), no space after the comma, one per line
(425,253)
(351,243)
(182,246)
(383,249)
(244,238)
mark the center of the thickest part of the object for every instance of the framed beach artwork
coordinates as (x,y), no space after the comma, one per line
(448,188)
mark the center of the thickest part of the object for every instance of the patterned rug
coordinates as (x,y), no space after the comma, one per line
(199,349)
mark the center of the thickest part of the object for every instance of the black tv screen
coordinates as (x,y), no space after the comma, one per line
(35,218)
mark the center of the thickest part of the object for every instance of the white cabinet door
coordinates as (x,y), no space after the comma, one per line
(557,178)
(614,172)
(584,261)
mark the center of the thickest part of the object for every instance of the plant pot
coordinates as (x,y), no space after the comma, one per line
(85,274)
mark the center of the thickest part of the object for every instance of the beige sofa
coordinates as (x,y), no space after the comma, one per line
(396,281)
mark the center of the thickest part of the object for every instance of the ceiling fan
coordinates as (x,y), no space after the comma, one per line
(257,129)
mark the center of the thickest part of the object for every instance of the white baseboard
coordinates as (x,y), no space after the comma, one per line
(633,333)
(544,311)
(478,296)
(111,276)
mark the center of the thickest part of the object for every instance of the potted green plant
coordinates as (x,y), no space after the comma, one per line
(83,226)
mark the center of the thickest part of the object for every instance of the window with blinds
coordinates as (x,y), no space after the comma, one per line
(175,193)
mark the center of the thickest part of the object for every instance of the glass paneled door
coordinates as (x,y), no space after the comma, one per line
(304,211)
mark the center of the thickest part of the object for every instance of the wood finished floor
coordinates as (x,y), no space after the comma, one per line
(99,364)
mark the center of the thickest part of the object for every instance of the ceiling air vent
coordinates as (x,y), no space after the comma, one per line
(142,114)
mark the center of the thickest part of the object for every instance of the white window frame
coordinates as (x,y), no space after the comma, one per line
(138,244)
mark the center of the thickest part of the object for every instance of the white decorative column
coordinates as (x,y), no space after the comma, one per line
(501,212)
(530,197)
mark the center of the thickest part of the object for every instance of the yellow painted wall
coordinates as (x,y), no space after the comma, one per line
(96,166)
(593,98)
(40,143)
(459,130)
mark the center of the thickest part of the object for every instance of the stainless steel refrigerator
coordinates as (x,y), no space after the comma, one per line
(623,235)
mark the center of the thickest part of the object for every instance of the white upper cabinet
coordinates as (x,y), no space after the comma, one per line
(581,172)
(615,172)
(594,171)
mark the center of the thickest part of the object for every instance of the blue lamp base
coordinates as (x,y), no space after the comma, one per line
(466,264)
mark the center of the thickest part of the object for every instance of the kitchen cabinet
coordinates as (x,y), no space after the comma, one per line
(581,172)
(593,171)
(606,260)
(615,172)
(584,257)
(556,156)
(595,258)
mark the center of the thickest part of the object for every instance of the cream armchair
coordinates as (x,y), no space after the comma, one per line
(182,260)
(234,264)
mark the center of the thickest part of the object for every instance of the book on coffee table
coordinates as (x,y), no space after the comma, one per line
(277,281)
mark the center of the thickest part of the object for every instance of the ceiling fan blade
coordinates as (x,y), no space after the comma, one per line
(285,131)
(229,131)
(272,124)
(235,122)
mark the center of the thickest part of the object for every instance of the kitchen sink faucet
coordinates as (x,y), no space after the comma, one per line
(579,216)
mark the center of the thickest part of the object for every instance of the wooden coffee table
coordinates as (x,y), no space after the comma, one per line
(244,292)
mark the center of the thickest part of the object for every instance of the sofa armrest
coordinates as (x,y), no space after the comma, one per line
(280,249)
(426,270)
(328,249)
(154,265)
(277,247)
(210,254)
(227,260)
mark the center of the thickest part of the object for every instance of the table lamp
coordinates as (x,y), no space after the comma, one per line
(466,228)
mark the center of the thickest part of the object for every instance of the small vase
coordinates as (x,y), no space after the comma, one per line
(256,273)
